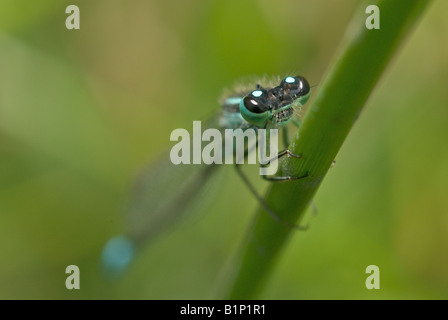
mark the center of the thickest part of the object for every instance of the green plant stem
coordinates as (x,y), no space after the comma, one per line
(327,123)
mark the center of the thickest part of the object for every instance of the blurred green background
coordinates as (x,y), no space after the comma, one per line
(82,112)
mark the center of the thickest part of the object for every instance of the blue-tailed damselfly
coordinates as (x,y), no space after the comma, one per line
(157,203)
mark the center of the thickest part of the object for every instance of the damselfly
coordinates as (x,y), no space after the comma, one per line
(157,203)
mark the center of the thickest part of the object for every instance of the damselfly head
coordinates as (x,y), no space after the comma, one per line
(275,104)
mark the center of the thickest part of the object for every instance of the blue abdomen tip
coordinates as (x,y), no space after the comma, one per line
(117,254)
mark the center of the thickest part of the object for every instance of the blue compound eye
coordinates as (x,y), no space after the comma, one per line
(255,101)
(253,105)
(296,86)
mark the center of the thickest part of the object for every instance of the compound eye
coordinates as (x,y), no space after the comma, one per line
(303,85)
(297,86)
(254,105)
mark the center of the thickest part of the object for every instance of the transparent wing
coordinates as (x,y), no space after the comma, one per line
(163,194)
